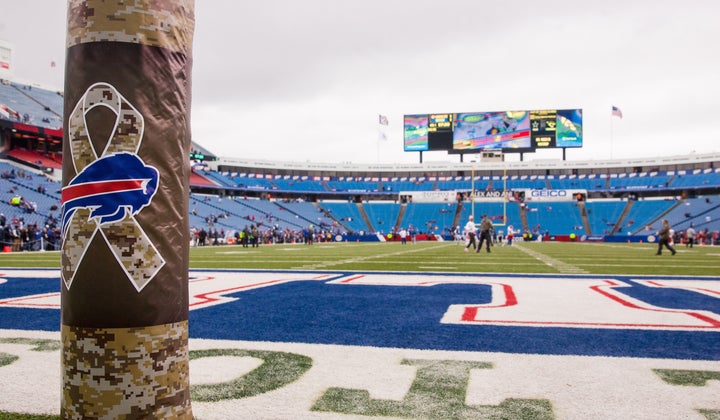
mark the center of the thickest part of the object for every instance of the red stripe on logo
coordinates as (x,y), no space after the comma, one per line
(73,192)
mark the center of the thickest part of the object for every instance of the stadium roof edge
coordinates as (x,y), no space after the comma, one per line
(455,166)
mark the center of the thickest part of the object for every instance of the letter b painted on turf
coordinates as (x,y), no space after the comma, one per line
(438,391)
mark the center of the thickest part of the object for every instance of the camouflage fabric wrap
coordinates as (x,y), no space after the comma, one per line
(126,373)
(166,24)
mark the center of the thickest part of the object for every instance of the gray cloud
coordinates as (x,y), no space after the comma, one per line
(292,80)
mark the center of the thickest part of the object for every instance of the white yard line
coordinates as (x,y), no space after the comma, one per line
(327,264)
(561,266)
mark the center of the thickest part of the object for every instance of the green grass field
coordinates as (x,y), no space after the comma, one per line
(445,257)
(539,258)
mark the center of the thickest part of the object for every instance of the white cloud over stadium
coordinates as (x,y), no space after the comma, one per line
(305,81)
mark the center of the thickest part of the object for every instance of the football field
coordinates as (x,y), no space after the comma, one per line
(384,330)
(447,257)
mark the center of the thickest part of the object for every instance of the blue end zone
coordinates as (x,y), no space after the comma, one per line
(404,317)
(673,298)
(408,317)
(29,319)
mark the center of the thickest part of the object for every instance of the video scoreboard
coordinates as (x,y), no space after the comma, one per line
(509,131)
(439,123)
(428,132)
(542,127)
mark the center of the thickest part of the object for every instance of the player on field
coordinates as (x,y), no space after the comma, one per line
(485,235)
(470,231)
(664,238)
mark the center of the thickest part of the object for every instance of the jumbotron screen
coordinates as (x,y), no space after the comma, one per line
(428,132)
(492,130)
(509,131)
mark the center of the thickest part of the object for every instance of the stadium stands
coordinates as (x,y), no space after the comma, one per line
(594,217)
(199,180)
(30,105)
(430,217)
(639,181)
(604,216)
(382,216)
(349,214)
(696,178)
(606,200)
(298,185)
(700,212)
(556,218)
(353,186)
(40,160)
(406,184)
(589,182)
(309,213)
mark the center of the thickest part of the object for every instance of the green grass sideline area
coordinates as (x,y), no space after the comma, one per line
(523,257)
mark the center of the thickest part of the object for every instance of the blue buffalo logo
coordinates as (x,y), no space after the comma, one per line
(109,187)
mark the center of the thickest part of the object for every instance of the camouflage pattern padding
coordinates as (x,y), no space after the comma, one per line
(122,373)
(125,251)
(77,235)
(165,24)
(128,129)
(134,251)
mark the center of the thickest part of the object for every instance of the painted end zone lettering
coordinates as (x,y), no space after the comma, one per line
(438,391)
(284,344)
(593,303)
(464,312)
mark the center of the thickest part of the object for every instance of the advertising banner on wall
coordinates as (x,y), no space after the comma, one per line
(429,196)
(553,195)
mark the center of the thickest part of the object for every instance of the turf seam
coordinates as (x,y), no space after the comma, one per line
(561,266)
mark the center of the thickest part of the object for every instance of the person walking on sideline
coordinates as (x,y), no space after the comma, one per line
(469,231)
(403,236)
(690,236)
(664,235)
(485,228)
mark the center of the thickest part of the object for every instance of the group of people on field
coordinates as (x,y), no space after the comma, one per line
(667,237)
(471,233)
(476,241)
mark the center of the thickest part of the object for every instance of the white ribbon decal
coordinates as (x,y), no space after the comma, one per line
(108,191)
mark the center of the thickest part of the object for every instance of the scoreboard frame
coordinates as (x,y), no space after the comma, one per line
(523,131)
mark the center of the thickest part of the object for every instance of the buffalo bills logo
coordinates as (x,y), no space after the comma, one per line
(109,187)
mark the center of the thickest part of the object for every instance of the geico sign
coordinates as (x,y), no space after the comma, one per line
(549,193)
(552,195)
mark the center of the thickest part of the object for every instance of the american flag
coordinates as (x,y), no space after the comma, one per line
(616,112)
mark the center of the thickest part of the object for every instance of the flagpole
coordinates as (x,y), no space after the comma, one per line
(612,135)
(382,135)
(615,112)
(378,147)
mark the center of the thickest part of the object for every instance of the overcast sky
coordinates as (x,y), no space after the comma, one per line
(305,80)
